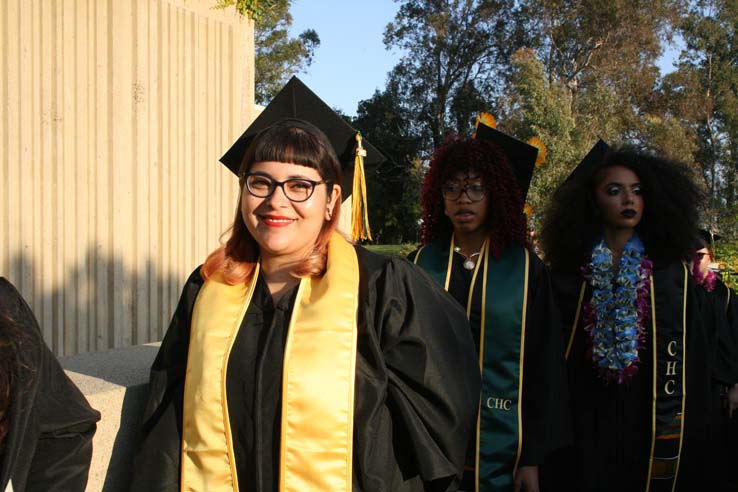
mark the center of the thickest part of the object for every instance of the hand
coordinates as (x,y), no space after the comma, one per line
(733,398)
(526,480)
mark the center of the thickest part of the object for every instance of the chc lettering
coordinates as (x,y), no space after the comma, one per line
(670,368)
(499,404)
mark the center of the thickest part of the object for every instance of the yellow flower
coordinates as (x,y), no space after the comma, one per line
(528,210)
(538,143)
(486,119)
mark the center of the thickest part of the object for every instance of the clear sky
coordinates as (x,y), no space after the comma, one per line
(352,62)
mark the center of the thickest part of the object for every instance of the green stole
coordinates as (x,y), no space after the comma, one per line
(317,387)
(668,337)
(502,337)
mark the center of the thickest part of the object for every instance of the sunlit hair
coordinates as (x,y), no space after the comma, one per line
(289,141)
(505,220)
(572,222)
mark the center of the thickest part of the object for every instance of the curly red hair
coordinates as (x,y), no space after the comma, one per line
(505,219)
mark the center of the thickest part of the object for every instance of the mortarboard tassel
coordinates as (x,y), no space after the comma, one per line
(486,119)
(538,143)
(359,210)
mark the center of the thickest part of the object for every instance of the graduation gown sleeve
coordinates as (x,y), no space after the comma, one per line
(546,421)
(157,459)
(420,380)
(49,443)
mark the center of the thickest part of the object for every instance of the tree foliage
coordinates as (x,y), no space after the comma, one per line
(253,9)
(541,108)
(703,95)
(393,187)
(452,48)
(277,55)
(570,72)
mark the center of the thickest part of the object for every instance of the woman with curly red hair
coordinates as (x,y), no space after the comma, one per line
(474,244)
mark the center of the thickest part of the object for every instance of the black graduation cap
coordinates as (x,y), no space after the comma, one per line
(594,158)
(706,239)
(296,100)
(520,155)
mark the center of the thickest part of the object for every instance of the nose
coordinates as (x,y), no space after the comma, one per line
(464,197)
(278,196)
(628,197)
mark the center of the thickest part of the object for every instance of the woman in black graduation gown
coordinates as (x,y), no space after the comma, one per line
(259,385)
(46,425)
(641,335)
(473,231)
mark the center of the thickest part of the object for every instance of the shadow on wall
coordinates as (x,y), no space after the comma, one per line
(98,303)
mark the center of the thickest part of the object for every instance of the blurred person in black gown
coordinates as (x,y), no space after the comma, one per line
(725,416)
(641,334)
(46,425)
(297,361)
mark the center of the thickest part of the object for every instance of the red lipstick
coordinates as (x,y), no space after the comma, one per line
(276,220)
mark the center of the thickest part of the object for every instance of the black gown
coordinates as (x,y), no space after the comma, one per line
(49,443)
(612,422)
(725,435)
(417,386)
(545,409)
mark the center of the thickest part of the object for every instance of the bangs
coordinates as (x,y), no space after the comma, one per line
(290,145)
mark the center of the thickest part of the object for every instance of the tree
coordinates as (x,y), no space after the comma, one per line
(542,109)
(447,73)
(703,95)
(569,72)
(393,187)
(605,53)
(277,56)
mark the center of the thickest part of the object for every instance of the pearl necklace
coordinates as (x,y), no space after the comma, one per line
(469,263)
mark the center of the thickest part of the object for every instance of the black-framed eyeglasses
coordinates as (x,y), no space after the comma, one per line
(295,189)
(475,192)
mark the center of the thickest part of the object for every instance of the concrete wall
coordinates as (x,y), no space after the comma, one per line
(113,116)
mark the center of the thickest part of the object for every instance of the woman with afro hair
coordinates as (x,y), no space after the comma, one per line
(474,244)
(641,335)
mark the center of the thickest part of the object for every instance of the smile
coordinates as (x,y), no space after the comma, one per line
(275,221)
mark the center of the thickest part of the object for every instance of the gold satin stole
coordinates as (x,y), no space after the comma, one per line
(317,386)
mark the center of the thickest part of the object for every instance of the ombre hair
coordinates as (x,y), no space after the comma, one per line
(290,141)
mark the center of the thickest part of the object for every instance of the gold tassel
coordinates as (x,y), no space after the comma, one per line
(359,210)
(538,143)
(485,119)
